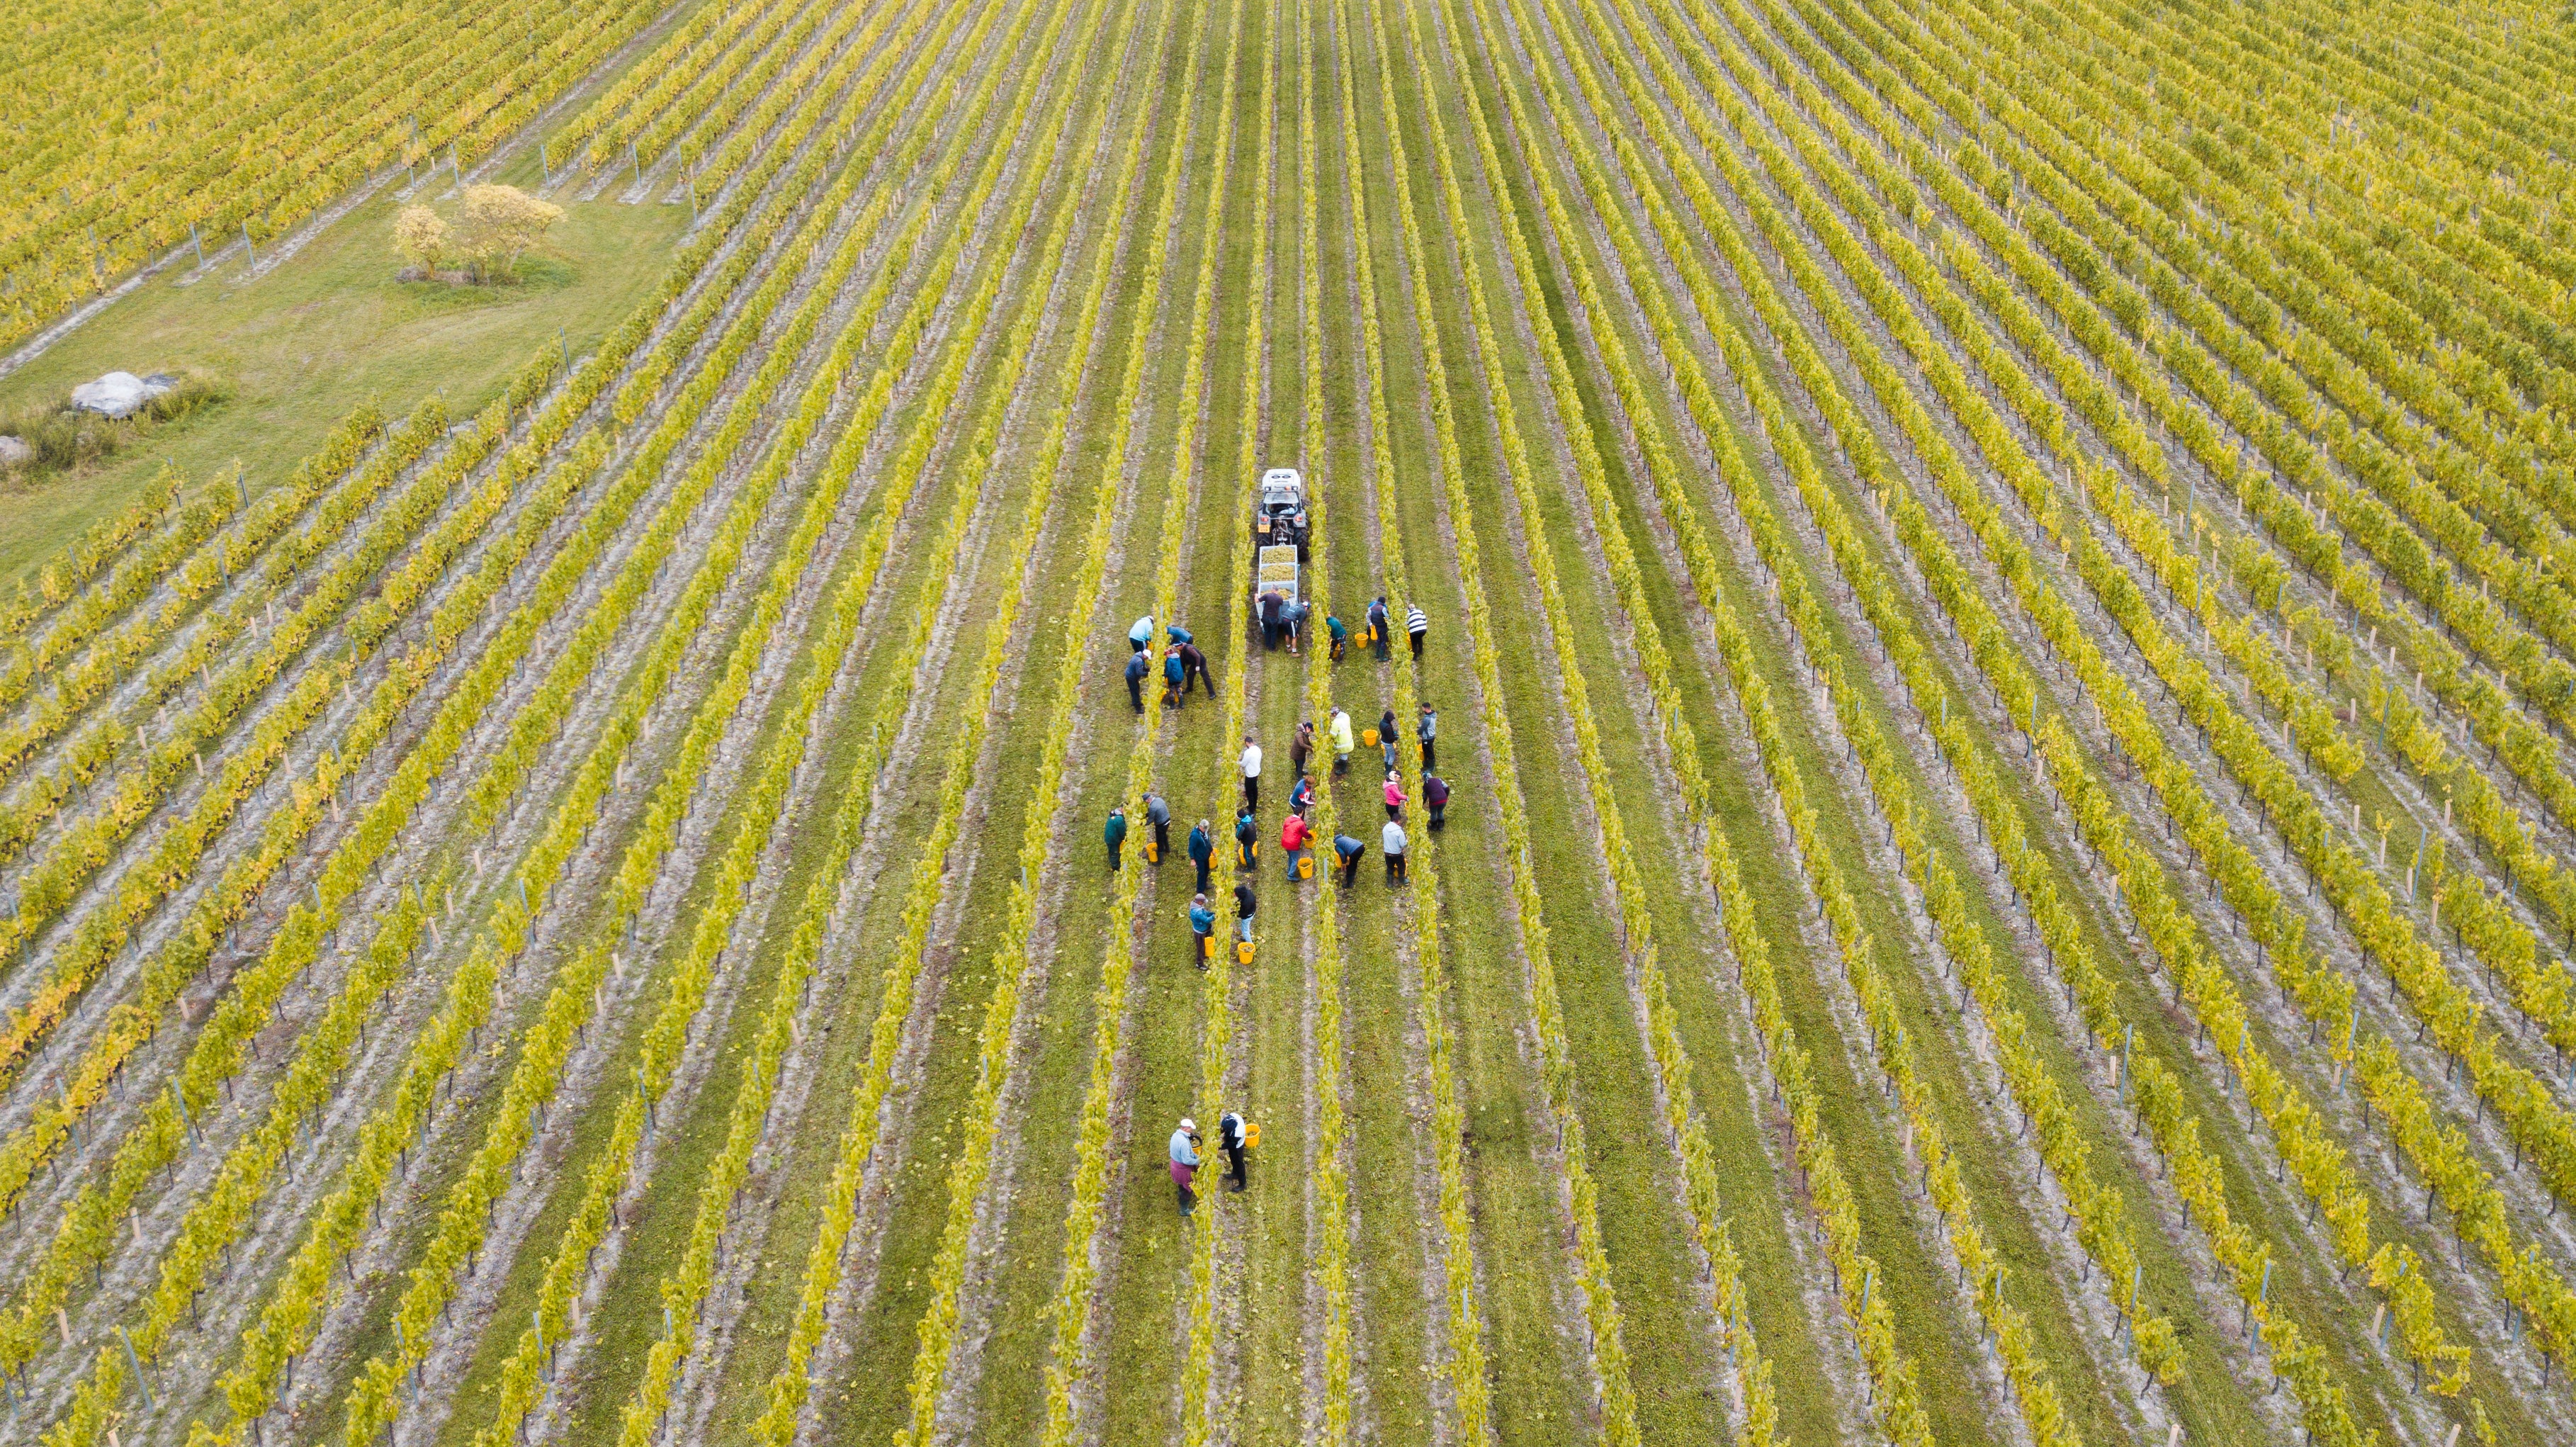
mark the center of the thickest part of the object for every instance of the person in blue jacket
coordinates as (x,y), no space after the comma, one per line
(1136,671)
(1348,850)
(1202,929)
(1202,850)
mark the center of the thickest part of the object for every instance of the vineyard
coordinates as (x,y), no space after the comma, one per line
(1996,589)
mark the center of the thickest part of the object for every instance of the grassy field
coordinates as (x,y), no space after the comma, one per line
(302,344)
(1997,618)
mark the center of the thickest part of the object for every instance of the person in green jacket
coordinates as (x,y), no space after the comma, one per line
(1114,834)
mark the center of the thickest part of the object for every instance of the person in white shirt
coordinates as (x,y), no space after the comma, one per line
(1391,844)
(1185,1165)
(1251,774)
(1230,1134)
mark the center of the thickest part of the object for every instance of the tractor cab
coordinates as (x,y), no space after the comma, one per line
(1279,518)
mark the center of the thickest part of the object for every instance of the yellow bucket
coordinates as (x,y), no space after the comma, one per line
(1243,952)
(1306,865)
(1368,738)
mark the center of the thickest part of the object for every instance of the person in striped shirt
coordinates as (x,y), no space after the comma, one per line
(1416,623)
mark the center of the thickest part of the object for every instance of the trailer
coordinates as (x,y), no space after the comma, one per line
(1276,571)
(1279,565)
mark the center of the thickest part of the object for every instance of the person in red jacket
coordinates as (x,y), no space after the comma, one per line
(1292,841)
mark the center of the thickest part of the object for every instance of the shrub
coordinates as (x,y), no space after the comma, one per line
(64,439)
(421,237)
(497,226)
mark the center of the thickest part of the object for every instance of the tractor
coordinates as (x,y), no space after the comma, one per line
(1280,515)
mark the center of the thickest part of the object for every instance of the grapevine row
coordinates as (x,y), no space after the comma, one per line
(53,883)
(1471,1403)
(140,569)
(2050,613)
(1988,644)
(2104,1231)
(105,665)
(2482,702)
(729,86)
(790,1387)
(59,580)
(2321,1172)
(387,1138)
(267,179)
(2089,198)
(2490,724)
(136,1018)
(2032,1087)
(2418,744)
(612,1173)
(1663,1042)
(1199,1423)
(1332,1184)
(372,1403)
(1014,956)
(2381,929)
(642,93)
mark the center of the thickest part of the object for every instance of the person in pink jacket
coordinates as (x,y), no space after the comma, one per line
(1394,796)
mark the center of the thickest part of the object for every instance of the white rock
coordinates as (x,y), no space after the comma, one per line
(118,394)
(121,394)
(14,451)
